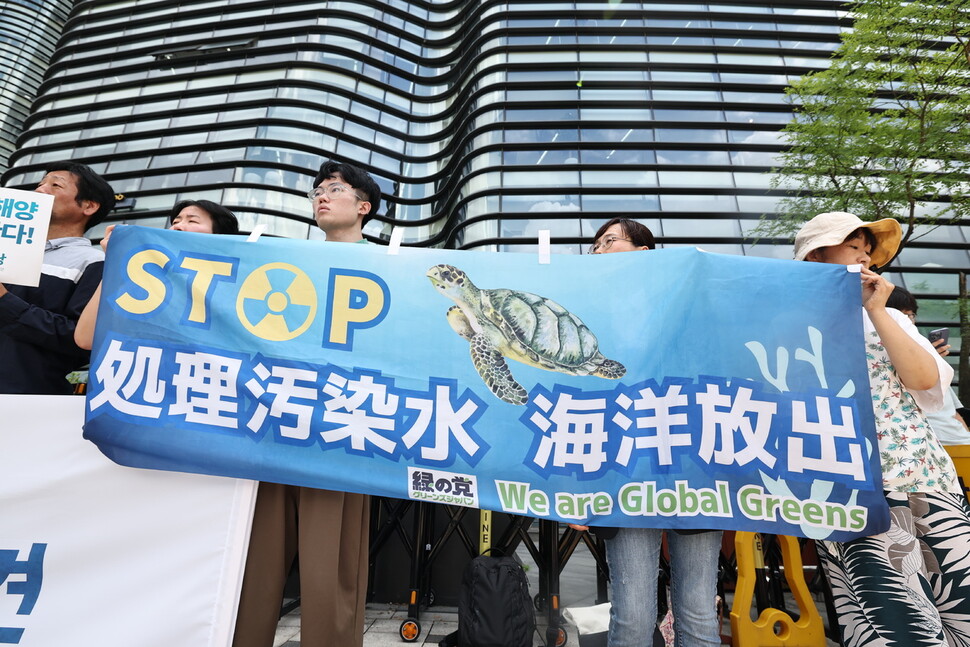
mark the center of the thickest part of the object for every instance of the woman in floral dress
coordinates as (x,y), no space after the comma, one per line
(909,586)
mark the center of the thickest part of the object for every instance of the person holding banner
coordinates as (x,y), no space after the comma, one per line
(633,554)
(908,585)
(328,530)
(199,216)
(37,348)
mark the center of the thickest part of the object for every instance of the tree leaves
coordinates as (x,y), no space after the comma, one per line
(885,130)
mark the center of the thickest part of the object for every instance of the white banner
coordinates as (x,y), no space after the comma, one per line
(92,553)
(24,220)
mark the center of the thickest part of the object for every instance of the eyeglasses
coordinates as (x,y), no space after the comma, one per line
(911,315)
(605,244)
(333,191)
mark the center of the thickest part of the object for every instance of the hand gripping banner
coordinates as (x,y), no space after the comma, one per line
(672,388)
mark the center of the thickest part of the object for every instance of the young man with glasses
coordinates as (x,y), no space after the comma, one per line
(329,530)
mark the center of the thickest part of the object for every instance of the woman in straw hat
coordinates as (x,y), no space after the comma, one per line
(911,584)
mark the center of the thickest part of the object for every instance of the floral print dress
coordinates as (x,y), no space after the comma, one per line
(906,587)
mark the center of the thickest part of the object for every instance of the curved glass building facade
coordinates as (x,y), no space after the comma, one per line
(28,34)
(483,121)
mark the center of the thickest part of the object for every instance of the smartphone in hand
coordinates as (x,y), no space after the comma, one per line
(939,333)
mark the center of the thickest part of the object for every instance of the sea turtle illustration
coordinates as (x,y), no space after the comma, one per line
(525,327)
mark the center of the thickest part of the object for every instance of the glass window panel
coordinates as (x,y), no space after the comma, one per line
(544,76)
(155,202)
(684,41)
(755,97)
(686,95)
(611,56)
(541,135)
(544,115)
(752,117)
(541,157)
(529,96)
(206,101)
(679,23)
(707,227)
(751,158)
(713,203)
(147,126)
(621,203)
(167,181)
(753,180)
(540,178)
(184,139)
(681,57)
(542,57)
(769,43)
(94,151)
(174,160)
(747,60)
(940,310)
(214,176)
(482,230)
(756,137)
(759,203)
(236,154)
(539,203)
(803,61)
(688,135)
(354,152)
(557,248)
(627,76)
(615,114)
(663,114)
(684,77)
(385,163)
(919,283)
(231,134)
(743,26)
(692,157)
(126,185)
(240,115)
(619,178)
(183,121)
(151,143)
(951,258)
(103,97)
(758,79)
(609,94)
(937,233)
(156,106)
(698,178)
(809,45)
(765,250)
(530,227)
(617,135)
(617,156)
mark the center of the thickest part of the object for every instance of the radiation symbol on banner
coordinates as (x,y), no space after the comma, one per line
(277,302)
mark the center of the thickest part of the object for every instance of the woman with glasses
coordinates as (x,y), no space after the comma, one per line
(633,554)
(908,585)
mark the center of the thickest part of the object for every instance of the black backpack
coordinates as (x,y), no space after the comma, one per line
(494,606)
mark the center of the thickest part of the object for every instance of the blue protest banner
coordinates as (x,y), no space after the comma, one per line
(673,388)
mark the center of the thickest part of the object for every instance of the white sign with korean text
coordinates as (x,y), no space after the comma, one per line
(24,219)
(93,554)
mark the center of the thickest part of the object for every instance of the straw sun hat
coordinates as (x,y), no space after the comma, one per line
(832,228)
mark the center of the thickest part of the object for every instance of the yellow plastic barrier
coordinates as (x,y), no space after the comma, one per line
(961,459)
(773,627)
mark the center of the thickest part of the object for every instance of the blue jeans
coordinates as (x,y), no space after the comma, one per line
(633,556)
